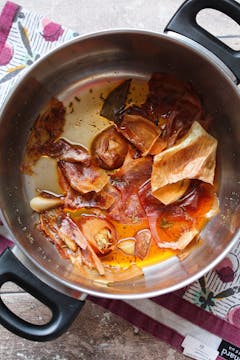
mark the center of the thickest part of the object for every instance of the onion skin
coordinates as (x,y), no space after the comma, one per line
(101,234)
(143,242)
(140,131)
(63,150)
(109,149)
(83,179)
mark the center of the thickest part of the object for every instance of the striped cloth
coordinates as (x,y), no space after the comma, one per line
(208,309)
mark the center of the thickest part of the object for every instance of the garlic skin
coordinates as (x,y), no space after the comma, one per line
(127,245)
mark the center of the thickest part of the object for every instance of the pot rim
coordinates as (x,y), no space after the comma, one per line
(169,35)
(180,41)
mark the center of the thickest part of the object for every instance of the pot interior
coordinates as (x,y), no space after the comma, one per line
(105,57)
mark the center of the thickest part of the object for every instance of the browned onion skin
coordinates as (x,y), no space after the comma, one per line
(82,178)
(109,149)
(100,233)
(140,131)
(63,150)
(74,200)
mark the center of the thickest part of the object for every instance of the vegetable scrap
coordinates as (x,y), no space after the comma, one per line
(144,189)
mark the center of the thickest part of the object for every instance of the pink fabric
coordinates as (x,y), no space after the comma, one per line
(6,19)
(4,243)
(200,317)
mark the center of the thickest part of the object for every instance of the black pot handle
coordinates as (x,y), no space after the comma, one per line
(184,23)
(64,308)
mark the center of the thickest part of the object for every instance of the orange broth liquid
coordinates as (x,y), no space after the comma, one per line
(117,257)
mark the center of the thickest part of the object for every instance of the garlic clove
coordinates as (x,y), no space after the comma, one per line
(127,245)
(40,203)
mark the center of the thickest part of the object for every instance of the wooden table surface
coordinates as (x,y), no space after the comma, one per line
(96,333)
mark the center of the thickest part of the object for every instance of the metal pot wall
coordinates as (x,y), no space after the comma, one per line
(34,263)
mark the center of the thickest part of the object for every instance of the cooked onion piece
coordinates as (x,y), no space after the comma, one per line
(48,224)
(159,145)
(140,131)
(193,157)
(128,179)
(100,233)
(110,149)
(200,202)
(175,225)
(84,179)
(172,192)
(95,259)
(166,89)
(184,239)
(104,199)
(40,203)
(172,231)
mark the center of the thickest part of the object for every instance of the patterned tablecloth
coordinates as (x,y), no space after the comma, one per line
(208,309)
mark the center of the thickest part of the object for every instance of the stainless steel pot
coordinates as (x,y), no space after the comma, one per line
(33,263)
